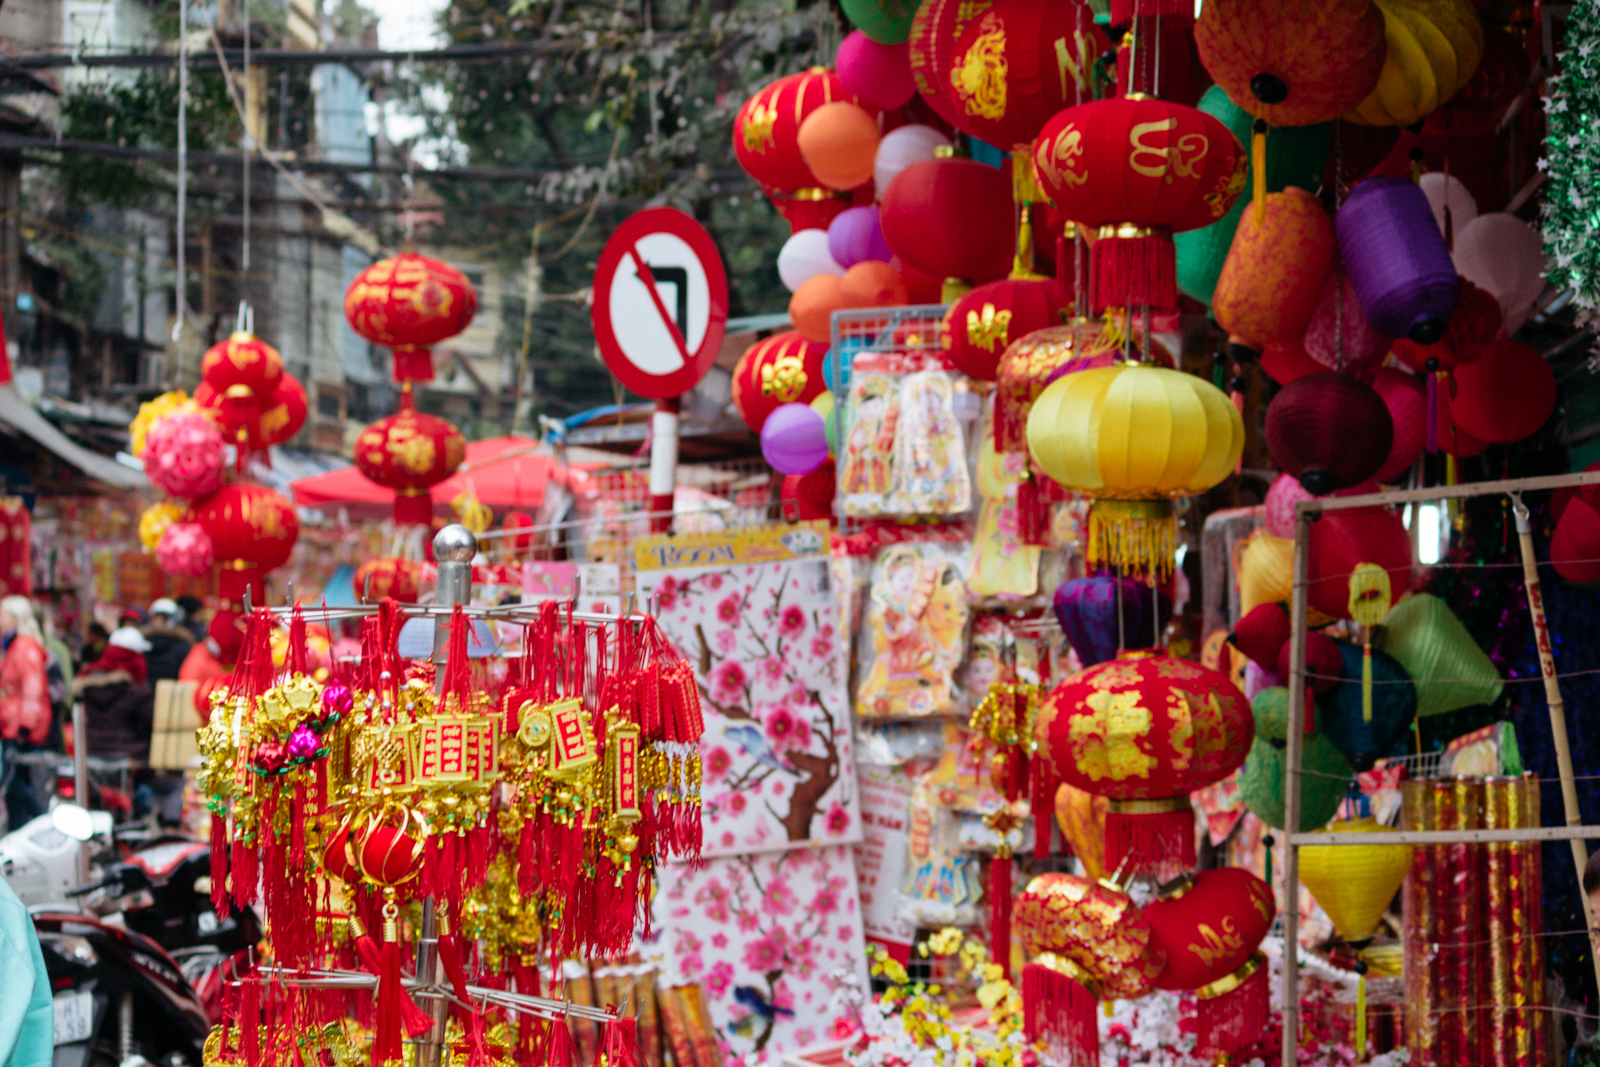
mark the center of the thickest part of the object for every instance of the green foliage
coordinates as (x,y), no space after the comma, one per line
(1572,198)
(82,275)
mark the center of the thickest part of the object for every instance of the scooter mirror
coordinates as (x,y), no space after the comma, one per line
(77,823)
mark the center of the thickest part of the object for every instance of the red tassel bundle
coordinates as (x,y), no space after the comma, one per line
(1160,840)
(1136,271)
(1060,1011)
(1000,910)
(1234,1012)
(619,1043)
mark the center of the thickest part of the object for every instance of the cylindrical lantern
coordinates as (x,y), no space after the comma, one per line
(1274,273)
(839,142)
(410,452)
(253,531)
(1505,394)
(1339,335)
(1407,402)
(1145,729)
(901,147)
(1434,47)
(1292,62)
(885,22)
(806,254)
(1342,540)
(783,369)
(1097,627)
(1355,883)
(1137,170)
(951,218)
(1330,431)
(985,321)
(1503,254)
(1397,259)
(408,303)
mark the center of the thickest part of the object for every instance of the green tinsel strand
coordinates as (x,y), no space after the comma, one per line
(1571,210)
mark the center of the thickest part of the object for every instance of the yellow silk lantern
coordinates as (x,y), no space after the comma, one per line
(1434,48)
(1134,437)
(1355,883)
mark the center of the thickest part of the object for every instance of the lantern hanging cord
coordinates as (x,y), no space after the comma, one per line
(1448,681)
(183,183)
(247,140)
(409,181)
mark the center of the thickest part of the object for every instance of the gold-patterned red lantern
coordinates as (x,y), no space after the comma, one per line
(1135,170)
(272,423)
(1145,730)
(408,303)
(410,452)
(388,577)
(766,140)
(935,28)
(782,369)
(1086,941)
(240,377)
(253,531)
(985,321)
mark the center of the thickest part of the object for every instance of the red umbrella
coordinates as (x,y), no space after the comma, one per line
(504,472)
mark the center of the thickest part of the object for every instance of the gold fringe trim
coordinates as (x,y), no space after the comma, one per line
(1133,535)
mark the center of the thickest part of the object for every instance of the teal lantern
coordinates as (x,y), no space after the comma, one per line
(1264,774)
(1394,704)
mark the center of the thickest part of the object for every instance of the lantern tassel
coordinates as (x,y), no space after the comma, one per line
(1433,411)
(1361,1016)
(1366,681)
(1136,267)
(1258,168)
(1033,512)
(1000,908)
(1060,1010)
(1156,834)
(1133,535)
(1233,1011)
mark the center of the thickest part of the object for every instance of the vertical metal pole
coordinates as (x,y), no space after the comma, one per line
(663,462)
(80,779)
(1291,800)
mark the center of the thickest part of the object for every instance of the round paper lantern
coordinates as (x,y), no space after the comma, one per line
(783,369)
(899,148)
(1193,728)
(1504,255)
(410,452)
(1095,927)
(1447,191)
(409,302)
(805,255)
(1339,335)
(1476,319)
(951,218)
(1273,277)
(1088,612)
(1443,659)
(1342,715)
(1434,47)
(388,577)
(242,360)
(1282,495)
(1018,63)
(983,323)
(1397,259)
(1266,571)
(1295,156)
(1210,926)
(793,439)
(839,142)
(934,30)
(154,520)
(812,306)
(185,550)
(1355,883)
(1292,62)
(1261,633)
(1287,363)
(809,495)
(1138,170)
(856,237)
(1036,359)
(271,422)
(1453,437)
(922,287)
(1575,545)
(184,455)
(1324,661)
(766,131)
(1341,540)
(252,530)
(872,284)
(1504,395)
(1324,774)
(1330,431)
(885,22)
(1407,402)
(878,74)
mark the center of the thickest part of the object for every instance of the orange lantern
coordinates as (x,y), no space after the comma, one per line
(1273,276)
(408,303)
(979,326)
(766,140)
(1138,170)
(388,576)
(872,284)
(783,369)
(1293,62)
(1145,730)
(812,306)
(1018,63)
(409,452)
(839,142)
(253,531)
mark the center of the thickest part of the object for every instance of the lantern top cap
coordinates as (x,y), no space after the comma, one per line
(454,544)
(241,335)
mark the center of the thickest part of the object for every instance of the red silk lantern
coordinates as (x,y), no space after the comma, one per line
(979,326)
(1341,540)
(951,218)
(1449,436)
(1330,431)
(1272,279)
(809,496)
(253,531)
(1018,63)
(388,856)
(409,452)
(1152,57)
(1293,62)
(388,576)
(243,359)
(1138,169)
(1505,394)
(1324,662)
(1145,730)
(407,303)
(935,28)
(274,422)
(337,859)
(1286,363)
(1476,319)
(766,132)
(783,369)
(1261,634)
(1407,402)
(1575,546)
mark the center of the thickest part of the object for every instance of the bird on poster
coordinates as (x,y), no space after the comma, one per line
(749,738)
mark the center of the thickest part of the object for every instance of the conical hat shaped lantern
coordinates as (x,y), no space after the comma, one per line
(1355,883)
(1450,670)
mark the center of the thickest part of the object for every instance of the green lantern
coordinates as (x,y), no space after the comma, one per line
(885,21)
(1296,155)
(1430,643)
(1265,770)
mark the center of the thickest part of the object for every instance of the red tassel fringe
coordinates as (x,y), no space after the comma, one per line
(1234,1020)
(1160,842)
(1000,912)
(1033,512)
(1061,1011)
(1125,11)
(1135,271)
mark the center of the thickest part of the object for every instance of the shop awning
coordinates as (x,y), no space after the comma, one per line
(504,472)
(16,412)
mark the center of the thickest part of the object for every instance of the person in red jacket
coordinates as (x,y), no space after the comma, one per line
(118,700)
(25,715)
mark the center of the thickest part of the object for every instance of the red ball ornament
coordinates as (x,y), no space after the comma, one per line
(1137,170)
(1341,540)
(951,218)
(253,531)
(337,859)
(809,496)
(1330,431)
(783,369)
(1145,730)
(979,326)
(1505,394)
(1262,633)
(1407,402)
(409,302)
(389,856)
(409,452)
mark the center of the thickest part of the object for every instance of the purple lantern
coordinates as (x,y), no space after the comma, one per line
(1397,259)
(794,439)
(855,237)
(1087,609)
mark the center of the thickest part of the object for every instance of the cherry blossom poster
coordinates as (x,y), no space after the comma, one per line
(777,767)
(762,935)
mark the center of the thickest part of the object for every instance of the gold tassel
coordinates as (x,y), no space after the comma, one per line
(1133,535)
(1258,163)
(1366,679)
(1370,599)
(1361,1016)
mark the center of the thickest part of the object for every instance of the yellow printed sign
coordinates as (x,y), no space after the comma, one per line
(721,548)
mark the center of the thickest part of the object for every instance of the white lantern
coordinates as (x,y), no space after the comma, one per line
(1442,190)
(804,256)
(1504,255)
(902,147)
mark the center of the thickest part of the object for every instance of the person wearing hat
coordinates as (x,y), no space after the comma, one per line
(169,640)
(118,700)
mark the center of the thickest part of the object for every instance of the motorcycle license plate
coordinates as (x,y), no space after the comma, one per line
(74,1017)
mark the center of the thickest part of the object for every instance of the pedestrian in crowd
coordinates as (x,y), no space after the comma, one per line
(25,713)
(211,661)
(169,640)
(194,615)
(118,700)
(94,644)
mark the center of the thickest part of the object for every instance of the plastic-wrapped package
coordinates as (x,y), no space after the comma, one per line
(913,634)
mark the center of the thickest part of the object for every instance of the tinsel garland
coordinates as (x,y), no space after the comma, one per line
(1571,212)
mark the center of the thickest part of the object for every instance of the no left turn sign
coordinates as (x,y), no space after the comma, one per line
(660,302)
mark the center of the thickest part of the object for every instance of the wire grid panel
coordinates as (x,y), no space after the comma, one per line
(914,330)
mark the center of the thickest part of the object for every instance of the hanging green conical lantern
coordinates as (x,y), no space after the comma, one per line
(1430,643)
(1261,779)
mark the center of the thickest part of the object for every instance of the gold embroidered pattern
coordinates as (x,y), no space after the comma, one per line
(989,329)
(1217,946)
(758,125)
(980,80)
(784,378)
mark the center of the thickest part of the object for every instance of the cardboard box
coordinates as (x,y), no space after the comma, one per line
(173,739)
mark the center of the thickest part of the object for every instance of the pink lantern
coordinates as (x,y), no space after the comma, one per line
(1338,315)
(184,455)
(1285,492)
(185,549)
(878,74)
(1407,402)
(1504,255)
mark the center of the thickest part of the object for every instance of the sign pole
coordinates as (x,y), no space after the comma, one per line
(663,462)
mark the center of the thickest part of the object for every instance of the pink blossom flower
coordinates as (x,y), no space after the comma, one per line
(736,803)
(802,734)
(728,609)
(782,997)
(719,979)
(747,920)
(781,727)
(805,1036)
(792,621)
(825,902)
(667,595)
(779,898)
(772,667)
(726,641)
(843,1029)
(777,788)
(716,763)
(821,647)
(692,964)
(714,581)
(727,839)
(764,954)
(845,933)
(714,897)
(719,940)
(837,820)
(827,631)
(729,677)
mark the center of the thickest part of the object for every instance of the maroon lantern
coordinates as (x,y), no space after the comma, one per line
(1330,431)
